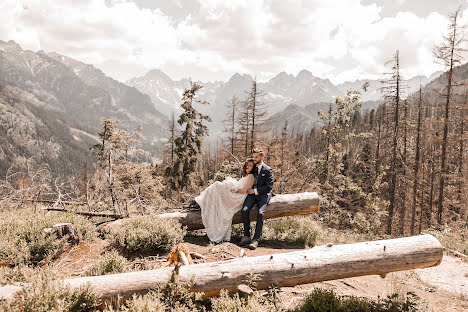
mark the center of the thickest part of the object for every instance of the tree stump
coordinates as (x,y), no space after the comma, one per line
(62,229)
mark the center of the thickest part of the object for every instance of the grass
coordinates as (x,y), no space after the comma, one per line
(176,296)
(146,233)
(297,230)
(42,294)
(455,239)
(109,263)
(24,241)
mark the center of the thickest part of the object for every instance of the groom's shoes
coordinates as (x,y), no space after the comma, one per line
(244,241)
(253,245)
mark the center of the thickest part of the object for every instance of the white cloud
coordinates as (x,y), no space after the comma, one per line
(340,39)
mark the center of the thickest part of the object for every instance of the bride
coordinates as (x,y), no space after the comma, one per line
(221,200)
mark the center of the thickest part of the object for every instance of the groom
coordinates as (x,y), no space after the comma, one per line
(259,194)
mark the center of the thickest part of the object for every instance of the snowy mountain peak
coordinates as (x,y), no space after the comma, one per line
(238,77)
(305,75)
(281,78)
(157,74)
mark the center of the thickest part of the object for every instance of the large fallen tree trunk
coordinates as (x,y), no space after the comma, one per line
(287,269)
(280,206)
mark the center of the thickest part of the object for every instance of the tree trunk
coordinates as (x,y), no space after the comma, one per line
(280,206)
(443,162)
(287,269)
(416,166)
(393,166)
(404,165)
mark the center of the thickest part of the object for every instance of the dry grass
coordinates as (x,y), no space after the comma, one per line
(146,233)
(42,294)
(297,230)
(454,239)
(109,263)
(24,241)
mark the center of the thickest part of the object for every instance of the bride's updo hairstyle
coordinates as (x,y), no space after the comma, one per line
(244,167)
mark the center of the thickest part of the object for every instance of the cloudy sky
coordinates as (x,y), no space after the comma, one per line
(213,39)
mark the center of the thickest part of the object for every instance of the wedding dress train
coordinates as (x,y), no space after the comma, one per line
(219,202)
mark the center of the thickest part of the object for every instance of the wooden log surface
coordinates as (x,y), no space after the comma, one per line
(281,205)
(317,264)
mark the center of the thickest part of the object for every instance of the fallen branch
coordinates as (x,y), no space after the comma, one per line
(86,213)
(456,253)
(48,201)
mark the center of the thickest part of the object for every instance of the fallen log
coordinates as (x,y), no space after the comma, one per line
(86,213)
(280,206)
(287,269)
(48,201)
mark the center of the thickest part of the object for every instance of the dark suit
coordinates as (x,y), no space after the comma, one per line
(264,186)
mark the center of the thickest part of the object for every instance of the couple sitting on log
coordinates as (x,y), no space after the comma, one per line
(221,200)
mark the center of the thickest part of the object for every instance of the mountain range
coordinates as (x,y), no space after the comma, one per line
(288,97)
(51,105)
(52,85)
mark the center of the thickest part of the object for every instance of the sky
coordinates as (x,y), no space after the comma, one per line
(210,40)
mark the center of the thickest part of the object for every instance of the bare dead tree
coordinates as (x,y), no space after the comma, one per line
(449,53)
(392,93)
(416,163)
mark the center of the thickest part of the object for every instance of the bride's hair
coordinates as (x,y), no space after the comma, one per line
(244,167)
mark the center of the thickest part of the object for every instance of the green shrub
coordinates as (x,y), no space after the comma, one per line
(21,273)
(110,263)
(23,240)
(320,300)
(44,295)
(233,303)
(151,302)
(297,229)
(174,296)
(146,233)
(394,303)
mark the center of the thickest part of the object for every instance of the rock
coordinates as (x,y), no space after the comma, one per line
(244,291)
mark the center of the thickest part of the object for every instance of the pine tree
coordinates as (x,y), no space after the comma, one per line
(188,146)
(172,136)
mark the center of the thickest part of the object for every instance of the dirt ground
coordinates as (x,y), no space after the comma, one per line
(440,288)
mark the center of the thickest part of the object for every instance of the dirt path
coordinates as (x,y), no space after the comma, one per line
(451,276)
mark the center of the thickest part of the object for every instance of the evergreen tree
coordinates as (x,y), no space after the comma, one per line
(188,146)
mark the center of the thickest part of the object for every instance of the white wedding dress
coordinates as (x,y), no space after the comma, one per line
(219,202)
